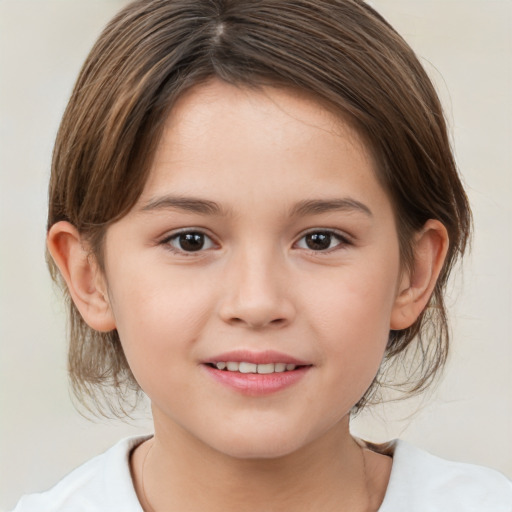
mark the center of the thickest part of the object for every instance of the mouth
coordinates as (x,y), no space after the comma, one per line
(256,374)
(259,368)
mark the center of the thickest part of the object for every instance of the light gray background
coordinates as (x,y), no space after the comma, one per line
(466,46)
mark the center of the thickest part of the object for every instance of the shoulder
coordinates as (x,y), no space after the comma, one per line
(102,484)
(425,483)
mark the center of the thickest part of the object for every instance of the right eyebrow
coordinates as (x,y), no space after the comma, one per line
(189,204)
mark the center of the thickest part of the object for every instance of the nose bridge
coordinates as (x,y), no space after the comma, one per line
(256,291)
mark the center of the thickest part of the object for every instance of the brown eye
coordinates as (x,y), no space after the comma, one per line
(321,241)
(189,241)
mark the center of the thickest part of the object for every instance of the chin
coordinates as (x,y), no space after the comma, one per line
(271,444)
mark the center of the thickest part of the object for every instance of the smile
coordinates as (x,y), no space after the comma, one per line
(256,373)
(245,367)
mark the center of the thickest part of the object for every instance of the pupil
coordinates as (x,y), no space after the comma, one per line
(318,241)
(191,241)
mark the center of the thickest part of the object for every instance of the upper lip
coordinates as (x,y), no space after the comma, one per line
(250,356)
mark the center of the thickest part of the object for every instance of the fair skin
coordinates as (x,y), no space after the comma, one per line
(292,254)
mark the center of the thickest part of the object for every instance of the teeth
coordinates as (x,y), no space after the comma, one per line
(266,368)
(244,367)
(247,368)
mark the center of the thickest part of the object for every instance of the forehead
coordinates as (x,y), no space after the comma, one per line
(242,143)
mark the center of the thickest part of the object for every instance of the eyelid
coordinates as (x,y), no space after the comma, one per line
(343,238)
(165,241)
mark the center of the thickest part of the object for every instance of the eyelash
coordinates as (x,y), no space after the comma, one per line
(167,241)
(343,241)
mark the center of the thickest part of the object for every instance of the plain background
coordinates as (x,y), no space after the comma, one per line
(466,46)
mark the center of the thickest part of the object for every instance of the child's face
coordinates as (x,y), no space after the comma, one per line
(291,256)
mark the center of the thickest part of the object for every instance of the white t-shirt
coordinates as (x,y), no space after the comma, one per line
(419,482)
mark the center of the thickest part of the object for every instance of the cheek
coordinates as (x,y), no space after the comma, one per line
(158,318)
(356,300)
(351,318)
(158,299)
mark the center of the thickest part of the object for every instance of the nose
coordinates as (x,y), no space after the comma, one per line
(257,293)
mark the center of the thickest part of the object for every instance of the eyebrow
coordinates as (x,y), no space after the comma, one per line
(301,209)
(318,206)
(189,204)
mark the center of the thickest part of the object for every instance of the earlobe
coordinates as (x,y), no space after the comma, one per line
(85,281)
(417,284)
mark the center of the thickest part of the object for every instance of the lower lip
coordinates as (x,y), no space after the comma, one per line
(257,384)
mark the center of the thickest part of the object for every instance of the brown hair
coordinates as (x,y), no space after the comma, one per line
(341,52)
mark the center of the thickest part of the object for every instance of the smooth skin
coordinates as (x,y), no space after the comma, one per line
(295,249)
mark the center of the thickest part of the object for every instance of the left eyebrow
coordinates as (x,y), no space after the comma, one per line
(318,206)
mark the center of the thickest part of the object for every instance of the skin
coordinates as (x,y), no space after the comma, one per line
(255,285)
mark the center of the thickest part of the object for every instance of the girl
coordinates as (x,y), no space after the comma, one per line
(255,211)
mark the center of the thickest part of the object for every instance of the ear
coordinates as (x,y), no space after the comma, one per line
(80,270)
(417,284)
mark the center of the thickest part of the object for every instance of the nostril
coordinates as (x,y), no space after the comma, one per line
(256,311)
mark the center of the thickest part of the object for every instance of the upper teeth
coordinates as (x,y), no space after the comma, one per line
(244,367)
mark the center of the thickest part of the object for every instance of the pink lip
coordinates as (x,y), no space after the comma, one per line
(256,384)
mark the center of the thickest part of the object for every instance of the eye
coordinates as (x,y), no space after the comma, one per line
(189,241)
(321,241)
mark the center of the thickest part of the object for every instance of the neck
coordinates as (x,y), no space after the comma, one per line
(329,474)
